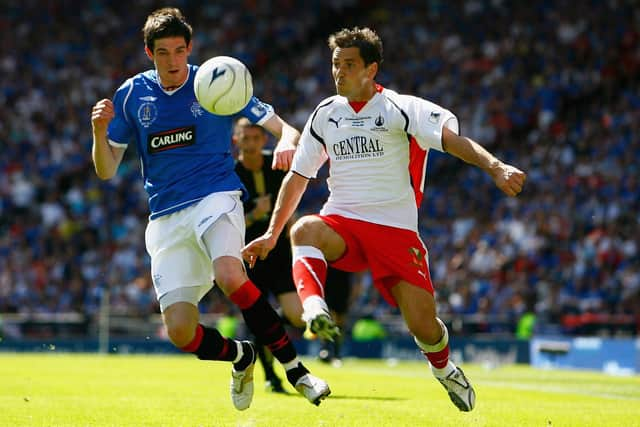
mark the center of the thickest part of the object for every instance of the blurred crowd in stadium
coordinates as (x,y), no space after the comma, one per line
(549,86)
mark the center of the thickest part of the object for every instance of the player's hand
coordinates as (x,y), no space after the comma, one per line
(101,114)
(258,248)
(283,155)
(509,179)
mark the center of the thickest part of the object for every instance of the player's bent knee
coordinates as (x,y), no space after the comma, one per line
(180,333)
(306,230)
(427,330)
(229,274)
(181,319)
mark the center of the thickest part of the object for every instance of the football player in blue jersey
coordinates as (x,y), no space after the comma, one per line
(196,225)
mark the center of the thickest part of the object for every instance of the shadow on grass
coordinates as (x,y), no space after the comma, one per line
(349,397)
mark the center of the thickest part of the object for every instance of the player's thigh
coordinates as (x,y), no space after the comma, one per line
(313,230)
(176,259)
(223,242)
(396,255)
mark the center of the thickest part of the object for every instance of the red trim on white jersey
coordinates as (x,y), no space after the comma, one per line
(377,156)
(417,169)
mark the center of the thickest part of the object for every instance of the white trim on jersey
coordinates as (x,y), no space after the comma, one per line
(369,153)
(117,144)
(126,98)
(270,113)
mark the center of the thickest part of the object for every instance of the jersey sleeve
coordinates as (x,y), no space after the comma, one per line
(121,130)
(310,154)
(427,120)
(257,112)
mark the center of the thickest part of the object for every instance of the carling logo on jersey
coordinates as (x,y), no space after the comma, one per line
(170,139)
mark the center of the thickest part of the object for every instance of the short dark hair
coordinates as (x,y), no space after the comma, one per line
(244,123)
(365,39)
(163,23)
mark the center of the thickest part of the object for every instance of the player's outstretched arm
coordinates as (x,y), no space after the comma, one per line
(507,178)
(291,191)
(106,158)
(288,137)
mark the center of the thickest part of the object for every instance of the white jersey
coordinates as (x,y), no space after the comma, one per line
(371,177)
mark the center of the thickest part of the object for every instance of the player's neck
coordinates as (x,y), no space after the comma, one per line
(172,85)
(365,95)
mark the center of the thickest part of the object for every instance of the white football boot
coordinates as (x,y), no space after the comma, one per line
(459,388)
(313,388)
(242,385)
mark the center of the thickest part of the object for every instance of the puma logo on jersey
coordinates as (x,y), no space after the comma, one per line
(417,258)
(335,122)
(300,285)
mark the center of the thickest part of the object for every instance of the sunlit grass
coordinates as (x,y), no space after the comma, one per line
(94,390)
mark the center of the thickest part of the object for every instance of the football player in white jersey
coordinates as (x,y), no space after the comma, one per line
(196,227)
(376,142)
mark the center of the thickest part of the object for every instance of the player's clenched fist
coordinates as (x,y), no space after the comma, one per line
(509,179)
(101,114)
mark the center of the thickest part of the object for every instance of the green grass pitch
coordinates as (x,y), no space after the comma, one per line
(55,390)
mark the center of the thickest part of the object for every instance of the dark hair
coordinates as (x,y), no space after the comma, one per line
(163,23)
(244,123)
(365,39)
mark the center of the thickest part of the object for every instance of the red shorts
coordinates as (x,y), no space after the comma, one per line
(391,254)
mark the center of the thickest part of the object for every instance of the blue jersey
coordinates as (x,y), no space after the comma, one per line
(185,151)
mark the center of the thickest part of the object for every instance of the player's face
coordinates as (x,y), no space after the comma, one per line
(251,140)
(170,57)
(353,79)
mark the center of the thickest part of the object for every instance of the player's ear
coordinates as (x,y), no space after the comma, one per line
(372,70)
(148,52)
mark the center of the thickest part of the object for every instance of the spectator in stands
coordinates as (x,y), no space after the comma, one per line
(572,111)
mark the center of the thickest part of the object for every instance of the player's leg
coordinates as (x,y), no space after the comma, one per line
(418,309)
(181,276)
(399,265)
(291,313)
(224,240)
(264,275)
(313,242)
(291,308)
(180,315)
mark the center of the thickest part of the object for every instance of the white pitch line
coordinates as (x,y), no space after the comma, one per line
(557,389)
(517,386)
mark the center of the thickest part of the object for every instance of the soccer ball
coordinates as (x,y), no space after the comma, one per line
(223,85)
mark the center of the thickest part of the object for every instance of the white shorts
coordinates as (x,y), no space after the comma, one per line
(182,254)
